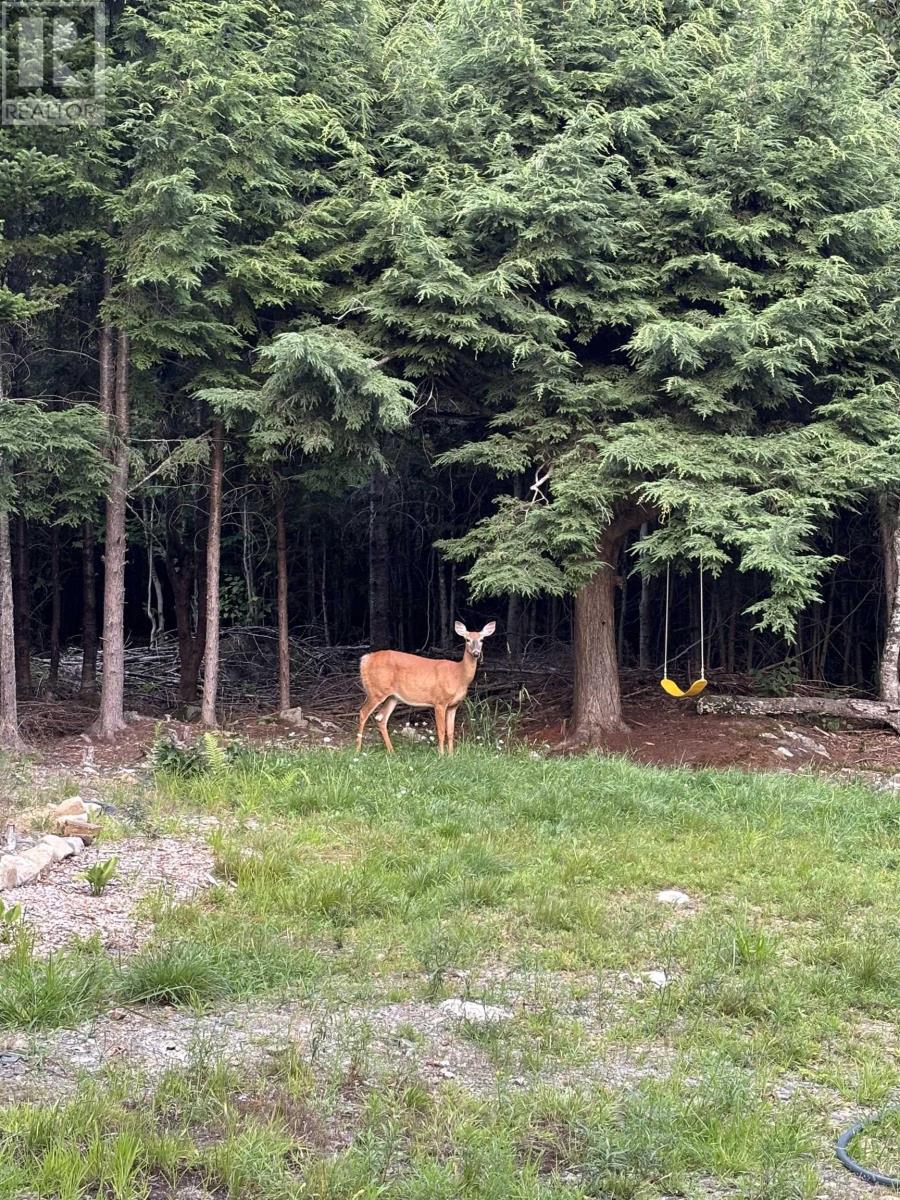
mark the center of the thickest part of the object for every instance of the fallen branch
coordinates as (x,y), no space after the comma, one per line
(846,708)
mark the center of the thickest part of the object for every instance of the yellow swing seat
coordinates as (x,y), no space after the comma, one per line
(670,686)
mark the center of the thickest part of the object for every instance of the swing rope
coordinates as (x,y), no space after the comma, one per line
(669,685)
(702,629)
(666,633)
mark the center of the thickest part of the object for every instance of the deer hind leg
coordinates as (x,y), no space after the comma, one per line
(451,727)
(364,713)
(382,718)
(440,720)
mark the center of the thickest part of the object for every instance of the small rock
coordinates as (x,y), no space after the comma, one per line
(673,896)
(807,743)
(475,1011)
(40,855)
(76,827)
(784,752)
(295,717)
(117,1014)
(93,808)
(16,869)
(658,978)
(59,847)
(73,807)
(76,843)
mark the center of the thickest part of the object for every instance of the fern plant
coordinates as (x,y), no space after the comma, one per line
(99,875)
(215,754)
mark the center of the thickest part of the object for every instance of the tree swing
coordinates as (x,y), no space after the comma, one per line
(669,685)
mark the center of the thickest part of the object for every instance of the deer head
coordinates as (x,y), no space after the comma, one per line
(474,640)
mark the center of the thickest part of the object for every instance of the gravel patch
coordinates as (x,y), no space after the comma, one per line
(417,1033)
(59,907)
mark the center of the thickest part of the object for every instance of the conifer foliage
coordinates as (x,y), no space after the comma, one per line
(512,280)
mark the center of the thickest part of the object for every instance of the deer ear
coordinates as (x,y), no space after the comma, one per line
(489,629)
(460,629)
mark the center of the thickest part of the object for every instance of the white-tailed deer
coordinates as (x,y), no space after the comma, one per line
(391,678)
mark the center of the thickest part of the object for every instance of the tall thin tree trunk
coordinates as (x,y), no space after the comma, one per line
(310,559)
(248,565)
(735,598)
(644,614)
(55,606)
(185,567)
(326,631)
(889,664)
(623,614)
(9,706)
(284,645)
(21,605)
(9,711)
(112,687)
(597,700)
(89,610)
(379,565)
(514,625)
(819,664)
(213,563)
(443,638)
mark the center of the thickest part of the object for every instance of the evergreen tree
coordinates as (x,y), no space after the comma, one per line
(677,267)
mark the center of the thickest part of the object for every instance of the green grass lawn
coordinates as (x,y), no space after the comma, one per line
(351,882)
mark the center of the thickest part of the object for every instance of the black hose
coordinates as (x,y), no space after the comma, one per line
(891,1181)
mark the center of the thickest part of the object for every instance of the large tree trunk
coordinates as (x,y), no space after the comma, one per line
(213,555)
(9,712)
(853,709)
(379,566)
(597,700)
(111,720)
(21,581)
(55,606)
(284,646)
(889,667)
(89,610)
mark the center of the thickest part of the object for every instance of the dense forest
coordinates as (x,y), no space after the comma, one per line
(355,318)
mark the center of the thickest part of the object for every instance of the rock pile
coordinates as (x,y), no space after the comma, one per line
(75,830)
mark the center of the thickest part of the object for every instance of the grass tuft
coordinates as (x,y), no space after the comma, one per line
(45,993)
(181,975)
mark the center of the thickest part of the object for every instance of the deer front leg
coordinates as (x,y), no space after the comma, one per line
(451,727)
(440,720)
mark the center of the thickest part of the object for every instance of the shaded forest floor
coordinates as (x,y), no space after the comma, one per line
(511,699)
(662,732)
